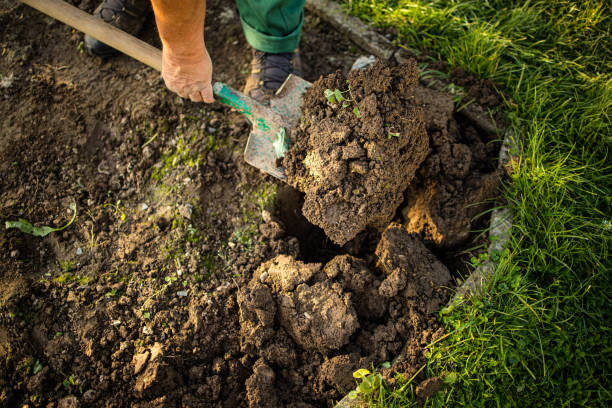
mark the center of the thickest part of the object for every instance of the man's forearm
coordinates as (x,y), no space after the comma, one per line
(186,64)
(181,25)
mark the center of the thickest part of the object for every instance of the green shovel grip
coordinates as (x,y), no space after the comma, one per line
(234,99)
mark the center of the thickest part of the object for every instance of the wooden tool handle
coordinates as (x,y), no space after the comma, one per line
(98,29)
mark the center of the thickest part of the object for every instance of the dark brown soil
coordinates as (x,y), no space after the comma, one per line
(154,296)
(311,325)
(354,168)
(454,183)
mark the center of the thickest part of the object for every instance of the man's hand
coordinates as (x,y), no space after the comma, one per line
(186,65)
(189,76)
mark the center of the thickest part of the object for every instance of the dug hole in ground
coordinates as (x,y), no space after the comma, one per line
(189,278)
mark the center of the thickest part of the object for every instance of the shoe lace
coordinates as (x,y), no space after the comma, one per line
(274,68)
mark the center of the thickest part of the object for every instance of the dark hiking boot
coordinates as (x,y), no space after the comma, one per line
(268,72)
(126,15)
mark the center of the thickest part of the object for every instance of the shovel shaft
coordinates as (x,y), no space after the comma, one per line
(254,111)
(95,27)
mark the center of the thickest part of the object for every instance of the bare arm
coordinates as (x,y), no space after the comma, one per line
(186,65)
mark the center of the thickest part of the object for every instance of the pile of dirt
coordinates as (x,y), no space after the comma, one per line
(309,326)
(354,169)
(354,156)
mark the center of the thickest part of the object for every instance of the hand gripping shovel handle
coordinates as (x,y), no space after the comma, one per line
(132,46)
(267,122)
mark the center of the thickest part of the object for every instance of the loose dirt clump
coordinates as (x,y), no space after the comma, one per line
(353,158)
(311,325)
(409,266)
(317,316)
(455,181)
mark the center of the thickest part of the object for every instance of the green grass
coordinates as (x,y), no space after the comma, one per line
(541,335)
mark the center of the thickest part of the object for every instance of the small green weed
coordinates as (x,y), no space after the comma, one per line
(37,367)
(182,155)
(66,265)
(117,210)
(208,261)
(70,383)
(25,226)
(193,235)
(113,293)
(265,196)
(337,96)
(369,384)
(26,365)
(244,235)
(69,277)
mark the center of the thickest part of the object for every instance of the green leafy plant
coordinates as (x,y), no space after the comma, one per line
(244,235)
(192,234)
(265,196)
(337,96)
(333,96)
(66,265)
(37,367)
(118,211)
(113,293)
(25,226)
(170,279)
(369,385)
(70,382)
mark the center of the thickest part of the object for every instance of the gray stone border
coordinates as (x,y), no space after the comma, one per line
(499,236)
(501,218)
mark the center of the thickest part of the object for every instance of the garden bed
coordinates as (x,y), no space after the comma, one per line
(168,288)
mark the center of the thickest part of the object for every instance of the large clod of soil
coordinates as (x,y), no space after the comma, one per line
(354,158)
(317,316)
(409,266)
(319,323)
(449,192)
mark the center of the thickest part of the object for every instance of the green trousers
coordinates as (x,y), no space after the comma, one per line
(272,25)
